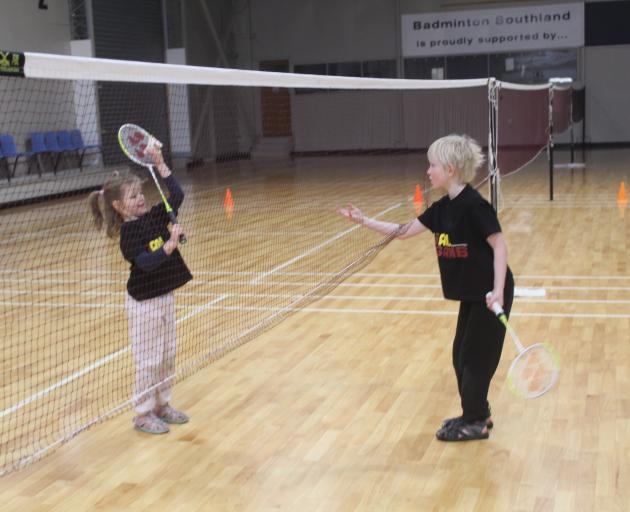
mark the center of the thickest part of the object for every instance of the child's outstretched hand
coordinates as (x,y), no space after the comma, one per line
(352,213)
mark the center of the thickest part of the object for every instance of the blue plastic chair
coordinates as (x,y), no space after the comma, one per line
(77,143)
(50,141)
(38,150)
(64,140)
(5,164)
(7,146)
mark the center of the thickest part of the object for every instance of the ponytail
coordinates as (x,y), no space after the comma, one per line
(95,208)
(100,203)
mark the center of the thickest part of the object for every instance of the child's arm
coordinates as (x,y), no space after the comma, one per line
(499,248)
(176,194)
(148,260)
(412,228)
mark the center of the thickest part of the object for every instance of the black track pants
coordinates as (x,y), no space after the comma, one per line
(476,352)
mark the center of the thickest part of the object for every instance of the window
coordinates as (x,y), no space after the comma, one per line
(426,68)
(466,66)
(379,68)
(534,67)
(344,69)
(310,69)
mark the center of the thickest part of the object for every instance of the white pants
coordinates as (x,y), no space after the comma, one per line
(152,333)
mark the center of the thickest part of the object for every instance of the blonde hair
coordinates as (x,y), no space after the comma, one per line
(460,152)
(101,202)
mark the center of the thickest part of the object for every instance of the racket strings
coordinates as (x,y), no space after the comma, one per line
(533,372)
(136,141)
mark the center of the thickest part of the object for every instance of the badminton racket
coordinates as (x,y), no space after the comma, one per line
(135,143)
(535,369)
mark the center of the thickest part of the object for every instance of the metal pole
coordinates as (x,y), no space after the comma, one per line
(493,109)
(550,142)
(584,124)
(571,121)
(217,41)
(400,72)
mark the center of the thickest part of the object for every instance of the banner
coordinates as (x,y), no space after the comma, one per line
(11,63)
(533,27)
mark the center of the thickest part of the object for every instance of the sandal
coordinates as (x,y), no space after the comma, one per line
(150,424)
(170,415)
(461,431)
(450,421)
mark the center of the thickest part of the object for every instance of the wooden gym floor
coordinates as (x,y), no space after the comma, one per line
(335,409)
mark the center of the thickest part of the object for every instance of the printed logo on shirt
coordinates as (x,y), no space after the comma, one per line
(154,245)
(445,249)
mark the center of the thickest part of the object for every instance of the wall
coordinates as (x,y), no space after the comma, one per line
(312,31)
(607,79)
(318,31)
(24,27)
(324,30)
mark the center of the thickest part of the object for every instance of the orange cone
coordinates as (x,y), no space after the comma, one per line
(622,195)
(228,201)
(417,199)
(228,204)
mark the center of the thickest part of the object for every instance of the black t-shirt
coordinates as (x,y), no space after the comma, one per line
(147,234)
(461,226)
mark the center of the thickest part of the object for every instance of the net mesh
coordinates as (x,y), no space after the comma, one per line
(529,118)
(263,238)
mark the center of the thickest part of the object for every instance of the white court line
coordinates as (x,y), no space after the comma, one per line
(63,382)
(318,247)
(125,272)
(350,310)
(53,305)
(589,288)
(60,305)
(401,285)
(419,312)
(573,277)
(198,283)
(93,366)
(202,308)
(61,271)
(277,311)
(522,299)
(392,311)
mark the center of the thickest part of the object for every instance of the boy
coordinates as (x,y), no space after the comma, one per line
(472,257)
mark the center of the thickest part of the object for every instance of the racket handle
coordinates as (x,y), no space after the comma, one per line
(182,237)
(496,307)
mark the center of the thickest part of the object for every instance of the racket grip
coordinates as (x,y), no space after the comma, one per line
(496,307)
(182,237)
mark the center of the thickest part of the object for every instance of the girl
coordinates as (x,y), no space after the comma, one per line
(472,257)
(157,268)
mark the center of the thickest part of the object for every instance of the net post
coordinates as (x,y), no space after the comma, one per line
(583,111)
(550,142)
(493,115)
